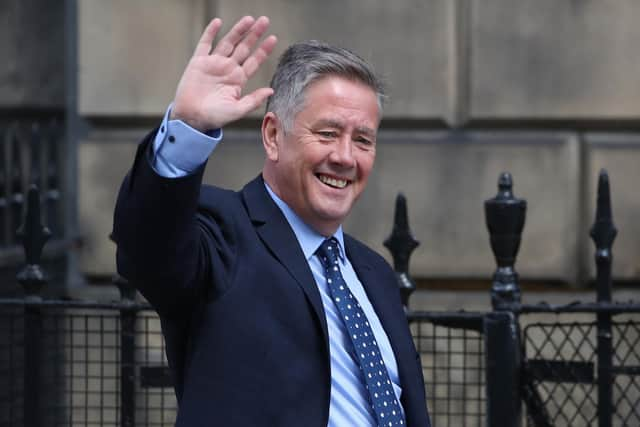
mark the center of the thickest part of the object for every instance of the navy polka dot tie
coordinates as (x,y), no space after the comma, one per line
(382,397)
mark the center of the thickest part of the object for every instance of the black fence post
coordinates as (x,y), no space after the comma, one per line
(505,215)
(127,353)
(603,233)
(401,244)
(32,279)
(502,352)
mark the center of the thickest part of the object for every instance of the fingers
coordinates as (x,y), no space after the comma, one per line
(228,43)
(253,100)
(204,45)
(243,49)
(253,62)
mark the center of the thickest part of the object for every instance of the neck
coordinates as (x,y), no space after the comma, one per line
(321,227)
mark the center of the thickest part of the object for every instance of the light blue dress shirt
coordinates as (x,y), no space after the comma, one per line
(349,404)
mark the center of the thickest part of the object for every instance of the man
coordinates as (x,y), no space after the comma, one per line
(272,316)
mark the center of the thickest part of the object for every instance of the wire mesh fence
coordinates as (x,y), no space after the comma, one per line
(11,365)
(562,364)
(82,366)
(453,368)
(81,369)
(626,391)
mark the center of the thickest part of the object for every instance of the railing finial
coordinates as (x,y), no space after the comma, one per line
(401,244)
(603,233)
(505,215)
(34,236)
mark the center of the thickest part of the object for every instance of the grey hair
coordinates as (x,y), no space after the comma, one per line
(306,62)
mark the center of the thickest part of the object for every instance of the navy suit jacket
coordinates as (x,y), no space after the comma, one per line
(245,329)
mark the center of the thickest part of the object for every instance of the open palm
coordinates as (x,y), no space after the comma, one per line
(210,92)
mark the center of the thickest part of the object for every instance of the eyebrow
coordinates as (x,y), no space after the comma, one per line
(366,131)
(339,125)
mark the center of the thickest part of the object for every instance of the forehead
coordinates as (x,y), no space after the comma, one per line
(337,99)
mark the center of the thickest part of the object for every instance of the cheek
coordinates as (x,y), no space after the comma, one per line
(366,165)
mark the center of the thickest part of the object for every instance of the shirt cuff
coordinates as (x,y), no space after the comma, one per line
(179,149)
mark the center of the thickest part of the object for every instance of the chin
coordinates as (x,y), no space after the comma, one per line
(330,211)
(334,217)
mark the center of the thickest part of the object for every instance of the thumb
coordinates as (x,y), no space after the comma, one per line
(254,99)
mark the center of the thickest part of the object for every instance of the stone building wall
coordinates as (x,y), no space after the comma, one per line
(544,89)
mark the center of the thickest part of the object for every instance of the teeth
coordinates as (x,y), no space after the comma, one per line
(339,183)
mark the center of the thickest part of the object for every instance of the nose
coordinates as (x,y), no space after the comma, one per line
(342,153)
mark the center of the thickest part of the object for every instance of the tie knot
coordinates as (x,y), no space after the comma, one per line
(328,252)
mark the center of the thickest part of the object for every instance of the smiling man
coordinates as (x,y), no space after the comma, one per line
(320,166)
(272,315)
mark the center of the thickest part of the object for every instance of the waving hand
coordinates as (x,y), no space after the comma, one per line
(209,94)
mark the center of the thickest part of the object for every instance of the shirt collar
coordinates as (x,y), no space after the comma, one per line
(309,239)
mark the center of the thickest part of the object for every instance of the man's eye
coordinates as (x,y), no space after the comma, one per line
(327,134)
(364,141)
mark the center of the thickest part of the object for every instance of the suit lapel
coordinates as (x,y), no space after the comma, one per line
(277,235)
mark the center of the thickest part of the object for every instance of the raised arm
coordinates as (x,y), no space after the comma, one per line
(210,92)
(161,246)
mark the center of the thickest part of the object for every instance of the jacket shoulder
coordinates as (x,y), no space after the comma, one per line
(364,252)
(211,193)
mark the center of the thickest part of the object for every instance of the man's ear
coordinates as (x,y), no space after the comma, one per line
(271,135)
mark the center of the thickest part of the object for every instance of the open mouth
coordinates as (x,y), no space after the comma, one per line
(333,182)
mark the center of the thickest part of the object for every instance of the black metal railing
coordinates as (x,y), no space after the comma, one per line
(87,363)
(78,362)
(580,369)
(568,371)
(31,152)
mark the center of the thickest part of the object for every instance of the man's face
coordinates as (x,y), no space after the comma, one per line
(322,164)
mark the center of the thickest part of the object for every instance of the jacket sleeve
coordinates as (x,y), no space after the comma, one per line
(166,248)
